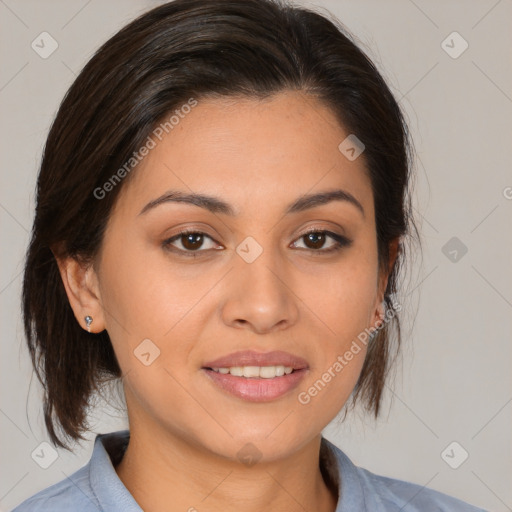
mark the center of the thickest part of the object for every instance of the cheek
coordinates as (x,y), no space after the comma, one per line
(343,295)
(152,324)
(146,298)
(344,311)
(341,302)
(139,293)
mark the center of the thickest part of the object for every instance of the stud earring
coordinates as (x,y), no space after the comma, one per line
(88,322)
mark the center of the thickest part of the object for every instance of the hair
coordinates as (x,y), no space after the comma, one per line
(181,50)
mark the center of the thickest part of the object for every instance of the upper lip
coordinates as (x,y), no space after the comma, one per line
(252,358)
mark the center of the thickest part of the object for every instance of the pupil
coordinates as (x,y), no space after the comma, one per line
(192,241)
(318,239)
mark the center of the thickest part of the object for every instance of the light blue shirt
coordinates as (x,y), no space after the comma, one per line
(96,486)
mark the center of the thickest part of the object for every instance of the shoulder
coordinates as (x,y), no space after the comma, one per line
(365,490)
(396,494)
(72,493)
(92,488)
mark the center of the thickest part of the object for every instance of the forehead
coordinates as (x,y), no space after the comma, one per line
(248,150)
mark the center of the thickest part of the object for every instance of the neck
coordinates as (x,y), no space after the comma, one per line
(175,474)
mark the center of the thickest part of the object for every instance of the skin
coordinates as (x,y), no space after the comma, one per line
(258,156)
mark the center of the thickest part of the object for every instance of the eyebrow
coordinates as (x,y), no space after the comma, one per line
(216,205)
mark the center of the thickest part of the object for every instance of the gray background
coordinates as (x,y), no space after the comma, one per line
(454,380)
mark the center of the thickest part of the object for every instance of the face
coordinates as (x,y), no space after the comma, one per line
(246,277)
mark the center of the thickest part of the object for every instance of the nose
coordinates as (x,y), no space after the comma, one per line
(259,295)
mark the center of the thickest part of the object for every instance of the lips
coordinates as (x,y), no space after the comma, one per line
(252,358)
(240,374)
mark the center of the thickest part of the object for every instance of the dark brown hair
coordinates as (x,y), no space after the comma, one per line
(184,49)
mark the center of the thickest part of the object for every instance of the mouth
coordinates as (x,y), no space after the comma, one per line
(257,377)
(255,372)
(248,360)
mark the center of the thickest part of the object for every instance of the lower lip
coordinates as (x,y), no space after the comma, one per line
(256,389)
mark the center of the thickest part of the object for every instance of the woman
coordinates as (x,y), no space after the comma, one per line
(222,209)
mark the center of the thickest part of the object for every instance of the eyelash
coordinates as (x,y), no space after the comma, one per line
(341,242)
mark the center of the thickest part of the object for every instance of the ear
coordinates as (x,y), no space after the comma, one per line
(82,288)
(379,311)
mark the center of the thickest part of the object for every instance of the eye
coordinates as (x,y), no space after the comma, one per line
(315,239)
(190,241)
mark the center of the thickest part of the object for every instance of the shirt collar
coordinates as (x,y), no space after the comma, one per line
(341,469)
(111,493)
(106,485)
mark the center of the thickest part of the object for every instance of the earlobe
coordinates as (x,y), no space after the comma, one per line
(81,285)
(380,309)
(379,315)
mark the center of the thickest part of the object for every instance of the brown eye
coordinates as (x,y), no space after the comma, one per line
(314,240)
(189,243)
(192,241)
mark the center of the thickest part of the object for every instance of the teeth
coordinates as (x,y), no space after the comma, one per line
(251,371)
(263,372)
